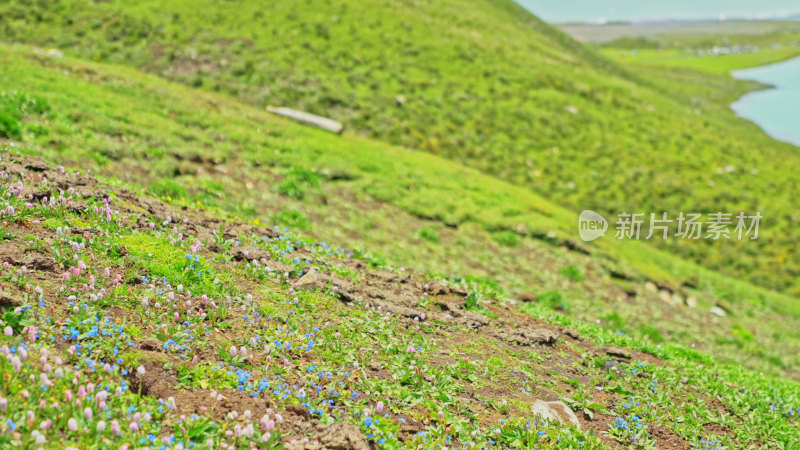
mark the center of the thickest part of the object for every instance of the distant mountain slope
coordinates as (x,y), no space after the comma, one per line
(481,82)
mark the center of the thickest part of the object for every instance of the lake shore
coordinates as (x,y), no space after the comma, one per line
(776,109)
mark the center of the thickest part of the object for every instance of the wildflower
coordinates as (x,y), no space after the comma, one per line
(101,426)
(115,427)
(141,371)
(233,350)
(8,331)
(379,407)
(16,363)
(72,424)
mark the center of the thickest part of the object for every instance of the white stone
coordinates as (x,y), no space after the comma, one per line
(556,411)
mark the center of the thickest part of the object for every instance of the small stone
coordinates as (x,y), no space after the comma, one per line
(556,411)
(717,311)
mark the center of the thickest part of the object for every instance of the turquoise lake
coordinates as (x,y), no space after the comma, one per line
(776,110)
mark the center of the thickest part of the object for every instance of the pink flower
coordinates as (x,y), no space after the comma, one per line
(115,427)
(8,331)
(87,413)
(72,424)
(101,426)
(379,407)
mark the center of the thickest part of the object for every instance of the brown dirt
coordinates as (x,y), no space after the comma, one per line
(396,293)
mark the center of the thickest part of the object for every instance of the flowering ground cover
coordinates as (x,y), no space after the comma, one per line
(400,208)
(130,322)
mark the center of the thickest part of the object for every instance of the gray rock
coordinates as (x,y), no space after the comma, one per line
(556,411)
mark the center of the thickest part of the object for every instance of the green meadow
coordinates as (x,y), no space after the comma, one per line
(454,290)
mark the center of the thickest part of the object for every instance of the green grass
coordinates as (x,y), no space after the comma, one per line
(296,340)
(497,90)
(372,197)
(689,59)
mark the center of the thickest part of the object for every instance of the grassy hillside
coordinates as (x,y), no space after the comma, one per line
(196,148)
(131,322)
(486,84)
